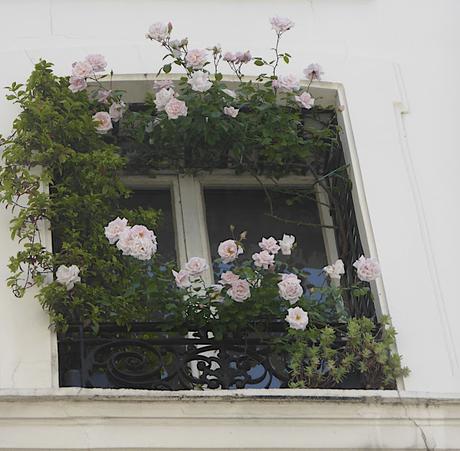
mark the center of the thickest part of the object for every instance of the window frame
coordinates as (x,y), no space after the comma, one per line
(189,208)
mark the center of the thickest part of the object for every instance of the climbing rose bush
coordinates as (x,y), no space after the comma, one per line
(241,284)
(113,273)
(202,74)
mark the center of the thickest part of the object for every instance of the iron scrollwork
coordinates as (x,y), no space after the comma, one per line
(147,358)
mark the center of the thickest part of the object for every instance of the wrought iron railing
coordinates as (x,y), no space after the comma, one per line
(349,245)
(147,357)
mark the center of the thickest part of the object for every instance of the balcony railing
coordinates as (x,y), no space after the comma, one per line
(146,357)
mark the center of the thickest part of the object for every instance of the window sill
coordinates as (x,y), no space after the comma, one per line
(253,394)
(291,419)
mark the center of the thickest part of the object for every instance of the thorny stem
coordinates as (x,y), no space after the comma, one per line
(277,57)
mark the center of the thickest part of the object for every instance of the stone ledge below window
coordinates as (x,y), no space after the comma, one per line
(103,419)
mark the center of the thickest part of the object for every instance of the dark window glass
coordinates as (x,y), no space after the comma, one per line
(158,199)
(249,209)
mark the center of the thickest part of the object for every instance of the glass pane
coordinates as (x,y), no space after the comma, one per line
(249,209)
(158,199)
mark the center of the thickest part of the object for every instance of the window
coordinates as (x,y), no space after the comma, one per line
(197,212)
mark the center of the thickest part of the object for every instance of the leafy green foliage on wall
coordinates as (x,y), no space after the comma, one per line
(59,173)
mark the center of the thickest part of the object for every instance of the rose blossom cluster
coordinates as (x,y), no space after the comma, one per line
(368,269)
(104,120)
(237,57)
(193,269)
(290,83)
(165,100)
(88,68)
(195,61)
(238,289)
(136,241)
(270,247)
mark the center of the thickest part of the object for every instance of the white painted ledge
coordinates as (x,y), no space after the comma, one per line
(100,419)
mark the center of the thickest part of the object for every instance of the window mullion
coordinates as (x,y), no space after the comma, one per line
(194,221)
(181,243)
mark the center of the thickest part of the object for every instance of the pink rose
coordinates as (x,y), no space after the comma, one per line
(229,250)
(263,259)
(290,288)
(228,277)
(158,85)
(240,290)
(199,81)
(116,110)
(162,97)
(138,242)
(281,24)
(230,111)
(103,95)
(286,244)
(297,318)
(82,69)
(182,278)
(103,122)
(159,31)
(68,276)
(196,58)
(243,57)
(97,62)
(269,245)
(286,83)
(305,100)
(77,84)
(229,57)
(368,269)
(175,108)
(115,228)
(289,276)
(335,270)
(196,266)
(313,72)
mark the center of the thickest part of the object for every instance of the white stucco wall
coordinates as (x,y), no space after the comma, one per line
(398,64)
